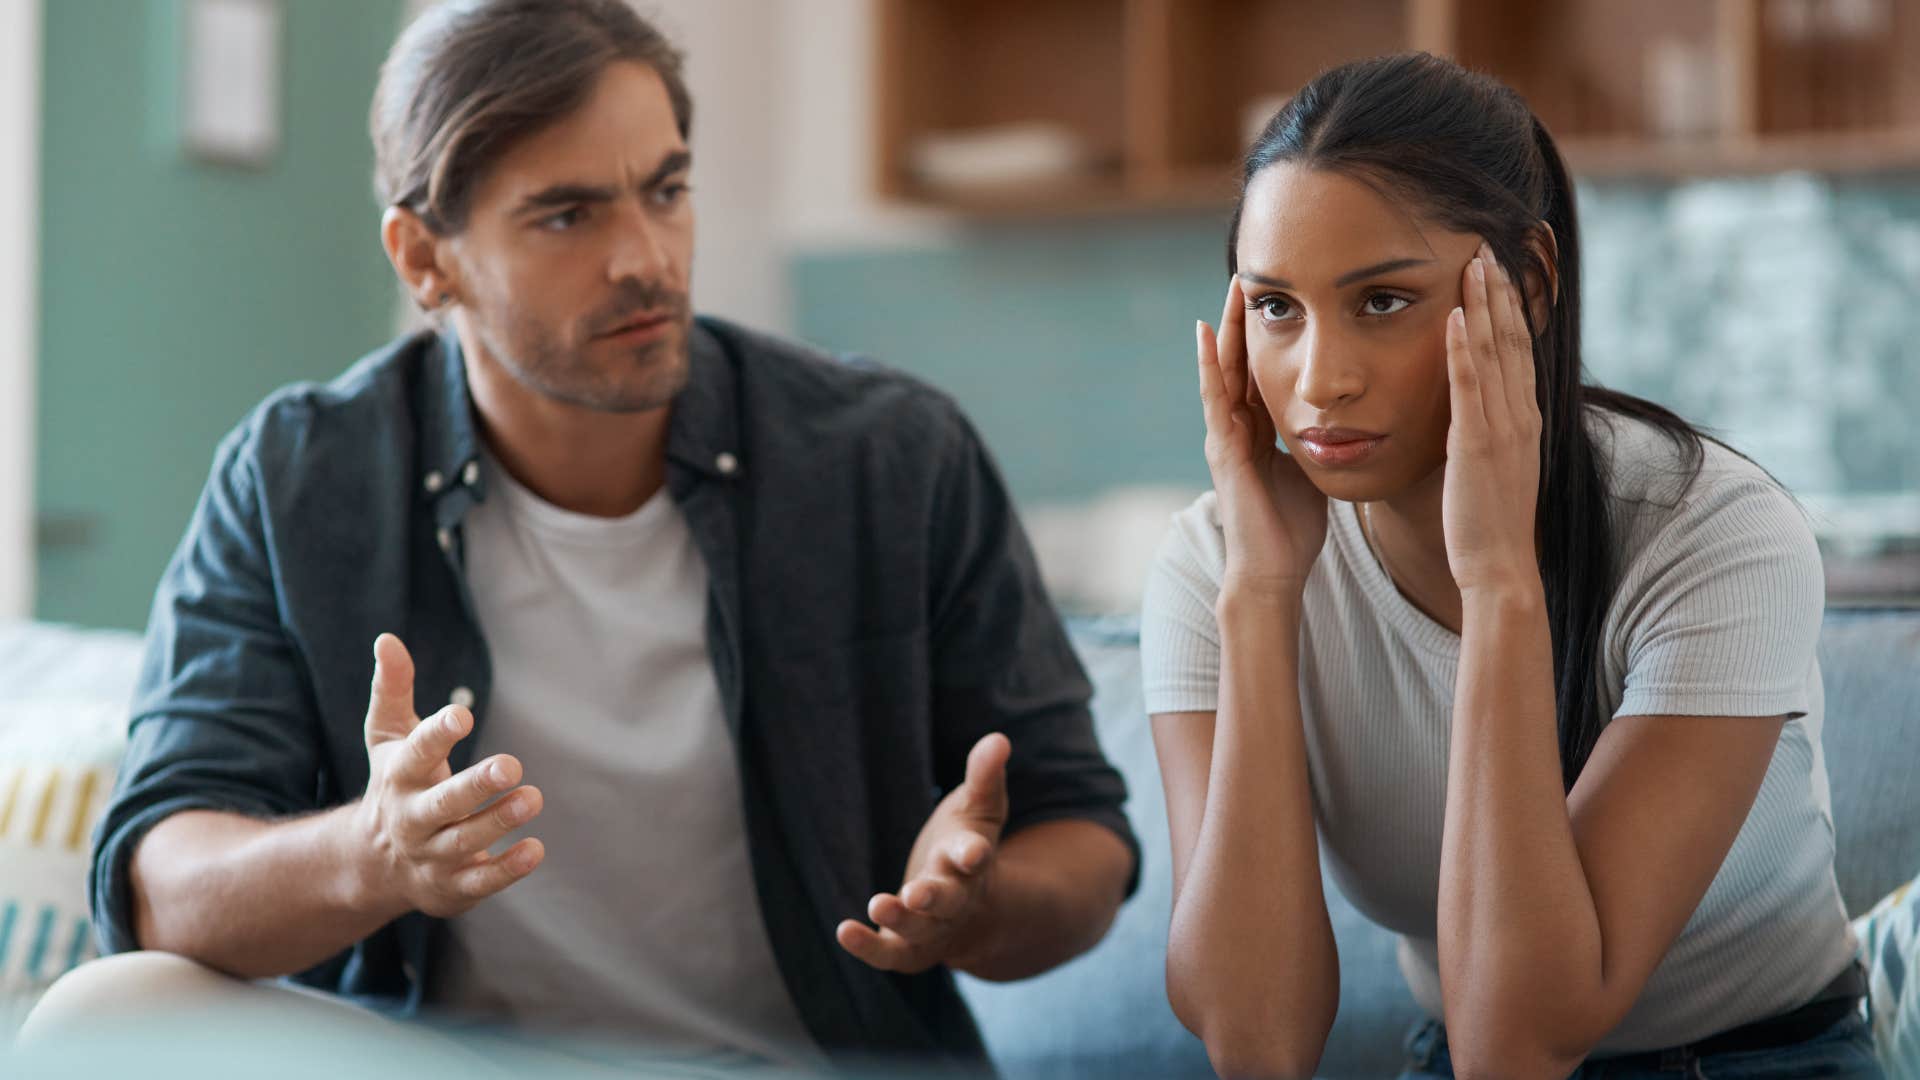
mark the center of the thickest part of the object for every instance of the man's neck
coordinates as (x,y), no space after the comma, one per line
(606,464)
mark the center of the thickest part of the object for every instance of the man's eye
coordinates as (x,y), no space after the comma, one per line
(563,220)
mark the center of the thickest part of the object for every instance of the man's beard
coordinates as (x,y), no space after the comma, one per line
(635,379)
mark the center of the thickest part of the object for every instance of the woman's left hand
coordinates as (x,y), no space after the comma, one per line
(1492,482)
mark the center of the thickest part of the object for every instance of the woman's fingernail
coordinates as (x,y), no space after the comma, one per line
(1479,270)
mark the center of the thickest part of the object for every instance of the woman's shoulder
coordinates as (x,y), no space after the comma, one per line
(1668,506)
(1654,478)
(1194,540)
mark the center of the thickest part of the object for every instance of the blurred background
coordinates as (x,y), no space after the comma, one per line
(1022,201)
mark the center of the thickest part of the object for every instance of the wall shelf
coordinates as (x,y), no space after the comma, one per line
(1151,101)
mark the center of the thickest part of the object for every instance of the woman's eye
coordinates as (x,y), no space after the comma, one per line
(1274,308)
(1385,304)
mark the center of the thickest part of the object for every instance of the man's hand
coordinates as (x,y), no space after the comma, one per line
(935,918)
(426,831)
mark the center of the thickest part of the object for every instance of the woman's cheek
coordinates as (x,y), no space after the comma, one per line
(1266,364)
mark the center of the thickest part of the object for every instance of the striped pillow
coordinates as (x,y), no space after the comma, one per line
(1890,944)
(57,762)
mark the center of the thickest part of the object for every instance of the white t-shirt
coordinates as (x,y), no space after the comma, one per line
(643,921)
(1717,614)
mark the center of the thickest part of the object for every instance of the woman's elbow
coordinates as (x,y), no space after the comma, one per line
(1261,1059)
(1499,1058)
(1244,1039)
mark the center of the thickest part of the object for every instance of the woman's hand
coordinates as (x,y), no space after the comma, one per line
(1492,484)
(1274,518)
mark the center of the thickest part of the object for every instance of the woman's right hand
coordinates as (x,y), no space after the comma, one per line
(1274,518)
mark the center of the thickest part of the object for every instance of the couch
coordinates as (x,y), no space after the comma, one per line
(62,699)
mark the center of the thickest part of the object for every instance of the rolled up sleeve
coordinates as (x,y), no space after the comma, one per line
(1002,660)
(222,716)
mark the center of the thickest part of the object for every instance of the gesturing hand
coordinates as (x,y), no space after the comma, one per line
(1492,481)
(427,831)
(935,917)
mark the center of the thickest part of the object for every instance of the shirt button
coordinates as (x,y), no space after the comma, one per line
(462,697)
(434,482)
(445,536)
(471,474)
(726,463)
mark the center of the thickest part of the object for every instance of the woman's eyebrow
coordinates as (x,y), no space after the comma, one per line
(1345,279)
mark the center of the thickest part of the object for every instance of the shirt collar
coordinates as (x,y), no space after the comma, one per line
(450,441)
(703,434)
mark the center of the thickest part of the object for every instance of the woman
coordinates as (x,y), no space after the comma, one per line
(1529,663)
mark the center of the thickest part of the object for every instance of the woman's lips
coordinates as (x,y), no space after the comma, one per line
(1339,446)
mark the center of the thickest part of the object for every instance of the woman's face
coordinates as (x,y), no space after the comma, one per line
(1347,300)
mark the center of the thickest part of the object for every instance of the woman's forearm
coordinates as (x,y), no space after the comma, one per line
(1252,966)
(1519,937)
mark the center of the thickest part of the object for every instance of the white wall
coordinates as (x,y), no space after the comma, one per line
(19,294)
(735,71)
(826,136)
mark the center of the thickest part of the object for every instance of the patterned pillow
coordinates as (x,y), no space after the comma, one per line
(1890,944)
(57,763)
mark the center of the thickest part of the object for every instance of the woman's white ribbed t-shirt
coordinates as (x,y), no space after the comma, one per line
(1717,613)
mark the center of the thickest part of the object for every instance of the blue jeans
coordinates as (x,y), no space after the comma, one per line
(1843,1050)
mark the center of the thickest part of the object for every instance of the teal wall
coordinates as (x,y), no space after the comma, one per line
(1069,345)
(174,295)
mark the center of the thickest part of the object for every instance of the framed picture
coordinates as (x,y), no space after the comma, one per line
(230,81)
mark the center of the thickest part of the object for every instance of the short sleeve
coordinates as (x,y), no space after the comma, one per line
(1179,636)
(1722,609)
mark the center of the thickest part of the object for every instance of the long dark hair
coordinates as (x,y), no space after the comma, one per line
(1466,150)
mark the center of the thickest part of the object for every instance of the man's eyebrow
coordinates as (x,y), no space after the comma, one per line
(1345,279)
(573,193)
(565,194)
(677,161)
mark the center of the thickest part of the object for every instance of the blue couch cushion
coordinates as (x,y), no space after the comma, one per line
(1870,662)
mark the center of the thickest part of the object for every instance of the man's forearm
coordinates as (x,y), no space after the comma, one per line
(1055,890)
(254,898)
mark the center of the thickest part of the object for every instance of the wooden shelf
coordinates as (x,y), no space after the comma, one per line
(1161,95)
(1828,152)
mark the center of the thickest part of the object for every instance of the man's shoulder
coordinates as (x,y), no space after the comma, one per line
(358,412)
(837,398)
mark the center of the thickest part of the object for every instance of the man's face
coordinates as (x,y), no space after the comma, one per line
(577,253)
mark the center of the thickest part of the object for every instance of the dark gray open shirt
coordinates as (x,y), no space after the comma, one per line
(874,610)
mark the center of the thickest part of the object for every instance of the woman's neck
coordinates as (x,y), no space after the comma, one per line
(1410,542)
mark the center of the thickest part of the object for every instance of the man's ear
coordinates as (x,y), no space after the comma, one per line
(419,259)
(1542,275)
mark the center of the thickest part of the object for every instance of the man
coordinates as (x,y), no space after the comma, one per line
(757,721)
